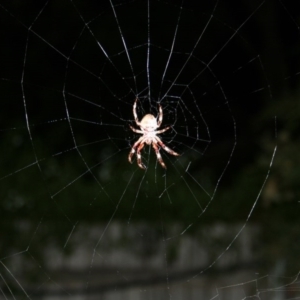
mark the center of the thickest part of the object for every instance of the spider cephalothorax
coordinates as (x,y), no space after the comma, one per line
(148,126)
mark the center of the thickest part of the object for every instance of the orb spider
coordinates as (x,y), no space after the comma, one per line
(148,128)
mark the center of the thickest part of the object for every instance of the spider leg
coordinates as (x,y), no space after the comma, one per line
(159,158)
(132,151)
(135,113)
(162,130)
(167,149)
(139,157)
(160,115)
(136,130)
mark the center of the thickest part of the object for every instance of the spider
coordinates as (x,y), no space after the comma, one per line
(148,128)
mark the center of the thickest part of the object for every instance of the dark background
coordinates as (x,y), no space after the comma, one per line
(65,110)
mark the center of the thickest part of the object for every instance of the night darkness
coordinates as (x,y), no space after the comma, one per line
(76,213)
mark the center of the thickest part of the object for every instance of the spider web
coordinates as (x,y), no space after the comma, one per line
(79,221)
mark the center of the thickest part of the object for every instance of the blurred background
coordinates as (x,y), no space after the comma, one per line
(78,221)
